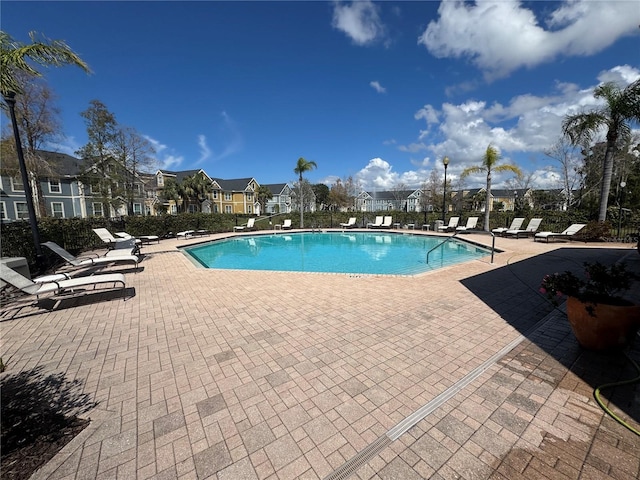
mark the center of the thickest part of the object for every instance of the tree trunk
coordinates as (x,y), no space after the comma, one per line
(607,174)
(301,203)
(488,203)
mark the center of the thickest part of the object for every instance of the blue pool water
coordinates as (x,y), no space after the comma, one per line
(334,252)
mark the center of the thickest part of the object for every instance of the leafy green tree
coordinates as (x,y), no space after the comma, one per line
(194,190)
(303,166)
(621,108)
(171,191)
(489,165)
(321,191)
(14,58)
(264,195)
(99,156)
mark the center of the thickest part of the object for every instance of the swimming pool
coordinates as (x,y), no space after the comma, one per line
(334,252)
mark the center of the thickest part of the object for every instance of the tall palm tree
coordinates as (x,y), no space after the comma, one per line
(621,108)
(489,165)
(13,62)
(301,167)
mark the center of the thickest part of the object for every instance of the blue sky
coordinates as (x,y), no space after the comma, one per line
(380,91)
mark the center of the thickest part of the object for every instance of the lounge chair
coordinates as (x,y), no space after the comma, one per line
(350,224)
(115,257)
(515,225)
(453,224)
(142,238)
(117,243)
(567,233)
(531,229)
(472,222)
(57,287)
(247,226)
(286,224)
(186,234)
(377,223)
(388,221)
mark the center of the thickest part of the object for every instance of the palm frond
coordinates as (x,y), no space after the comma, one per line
(471,171)
(581,127)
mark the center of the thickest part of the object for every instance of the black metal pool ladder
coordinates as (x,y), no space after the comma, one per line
(493,242)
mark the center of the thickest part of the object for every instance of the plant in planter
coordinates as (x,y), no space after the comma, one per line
(599,315)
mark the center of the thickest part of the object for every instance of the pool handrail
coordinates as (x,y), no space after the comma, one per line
(493,242)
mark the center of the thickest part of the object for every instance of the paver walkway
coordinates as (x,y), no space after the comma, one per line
(242,375)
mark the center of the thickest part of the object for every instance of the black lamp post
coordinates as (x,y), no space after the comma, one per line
(445,162)
(622,185)
(10,100)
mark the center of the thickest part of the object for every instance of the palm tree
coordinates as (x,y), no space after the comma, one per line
(13,63)
(489,164)
(301,167)
(620,109)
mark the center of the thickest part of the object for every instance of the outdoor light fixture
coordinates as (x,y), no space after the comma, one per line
(10,100)
(622,185)
(445,162)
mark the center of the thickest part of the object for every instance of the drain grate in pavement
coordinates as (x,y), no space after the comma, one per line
(349,468)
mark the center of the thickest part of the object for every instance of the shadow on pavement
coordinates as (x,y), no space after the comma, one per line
(513,292)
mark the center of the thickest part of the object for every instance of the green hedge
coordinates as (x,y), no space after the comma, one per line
(75,235)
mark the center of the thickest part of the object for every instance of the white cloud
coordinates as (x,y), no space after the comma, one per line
(166,161)
(526,125)
(377,87)
(378,175)
(502,36)
(205,151)
(234,143)
(359,21)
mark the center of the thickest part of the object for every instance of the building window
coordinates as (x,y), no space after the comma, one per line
(174,209)
(3,211)
(137,209)
(227,196)
(215,208)
(193,208)
(97,210)
(54,186)
(16,184)
(249,209)
(57,209)
(21,211)
(215,194)
(94,189)
(249,196)
(227,209)
(160,180)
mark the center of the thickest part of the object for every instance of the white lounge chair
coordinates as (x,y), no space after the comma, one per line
(247,226)
(472,222)
(531,229)
(286,224)
(117,243)
(377,223)
(515,225)
(567,233)
(350,224)
(56,287)
(186,234)
(387,222)
(115,257)
(142,238)
(453,223)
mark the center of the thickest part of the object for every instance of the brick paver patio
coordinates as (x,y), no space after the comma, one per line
(269,375)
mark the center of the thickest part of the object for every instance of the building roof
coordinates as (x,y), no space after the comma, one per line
(235,184)
(276,188)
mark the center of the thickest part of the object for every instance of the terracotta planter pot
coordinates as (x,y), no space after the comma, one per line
(601,326)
